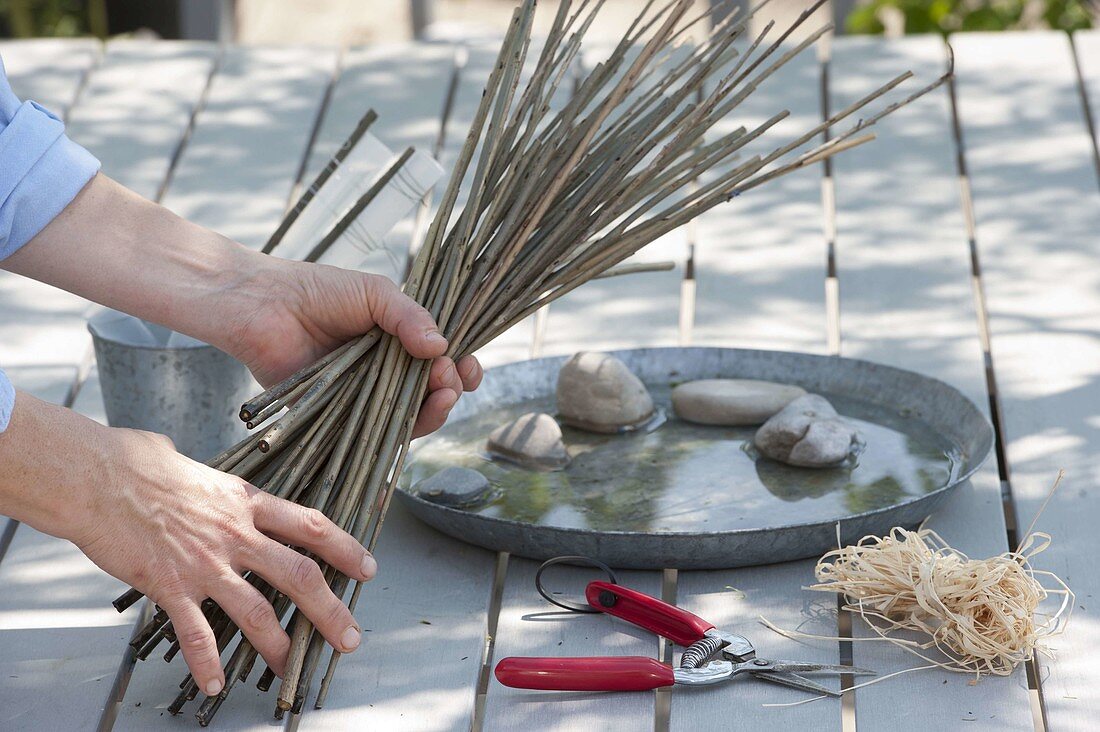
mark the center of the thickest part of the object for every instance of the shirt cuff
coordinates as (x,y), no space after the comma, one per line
(43,170)
(7,401)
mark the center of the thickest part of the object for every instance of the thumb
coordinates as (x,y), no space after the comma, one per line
(400,315)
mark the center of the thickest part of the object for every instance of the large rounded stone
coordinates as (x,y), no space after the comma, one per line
(598,393)
(534,441)
(732,402)
(808,433)
(454,486)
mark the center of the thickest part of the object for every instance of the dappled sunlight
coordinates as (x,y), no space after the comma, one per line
(137,105)
(47,70)
(249,140)
(761,258)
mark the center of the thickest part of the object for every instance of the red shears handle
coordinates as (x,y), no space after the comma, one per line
(613,673)
(679,626)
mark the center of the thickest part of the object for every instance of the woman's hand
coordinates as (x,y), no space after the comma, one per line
(290,314)
(176,530)
(182,532)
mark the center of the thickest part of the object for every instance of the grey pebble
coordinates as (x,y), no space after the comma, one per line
(807,433)
(454,486)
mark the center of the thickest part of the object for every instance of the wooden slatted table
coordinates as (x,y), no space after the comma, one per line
(962,244)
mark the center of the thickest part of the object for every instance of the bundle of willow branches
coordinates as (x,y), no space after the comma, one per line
(555,199)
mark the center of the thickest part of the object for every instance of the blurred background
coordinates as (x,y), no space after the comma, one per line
(351,22)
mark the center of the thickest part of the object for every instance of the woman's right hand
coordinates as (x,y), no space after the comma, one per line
(182,532)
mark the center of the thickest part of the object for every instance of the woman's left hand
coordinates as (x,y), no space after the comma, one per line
(291,314)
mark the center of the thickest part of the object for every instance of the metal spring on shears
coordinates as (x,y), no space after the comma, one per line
(698,652)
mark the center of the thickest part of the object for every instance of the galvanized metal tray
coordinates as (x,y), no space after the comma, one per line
(749,539)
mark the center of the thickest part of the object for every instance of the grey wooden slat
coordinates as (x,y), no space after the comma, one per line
(247,146)
(734,600)
(760,269)
(60,637)
(530,626)
(132,115)
(40,326)
(760,259)
(903,263)
(1035,200)
(424,626)
(404,82)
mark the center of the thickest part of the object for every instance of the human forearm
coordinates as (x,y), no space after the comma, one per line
(116,248)
(51,461)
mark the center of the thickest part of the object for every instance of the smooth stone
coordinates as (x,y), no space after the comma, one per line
(732,402)
(807,433)
(598,393)
(534,440)
(454,486)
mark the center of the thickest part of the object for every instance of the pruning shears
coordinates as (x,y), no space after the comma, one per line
(702,642)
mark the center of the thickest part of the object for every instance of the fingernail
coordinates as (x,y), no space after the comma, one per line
(435,336)
(350,639)
(369,566)
(213,687)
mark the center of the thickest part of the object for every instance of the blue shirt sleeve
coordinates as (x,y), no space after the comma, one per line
(7,401)
(41,171)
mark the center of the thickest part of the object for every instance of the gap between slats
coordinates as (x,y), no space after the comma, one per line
(845,653)
(1008,502)
(1086,106)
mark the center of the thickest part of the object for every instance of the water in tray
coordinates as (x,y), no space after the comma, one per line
(692,478)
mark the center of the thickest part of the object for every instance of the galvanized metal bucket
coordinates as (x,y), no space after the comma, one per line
(156,380)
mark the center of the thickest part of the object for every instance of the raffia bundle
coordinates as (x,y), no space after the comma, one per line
(555,199)
(982,614)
